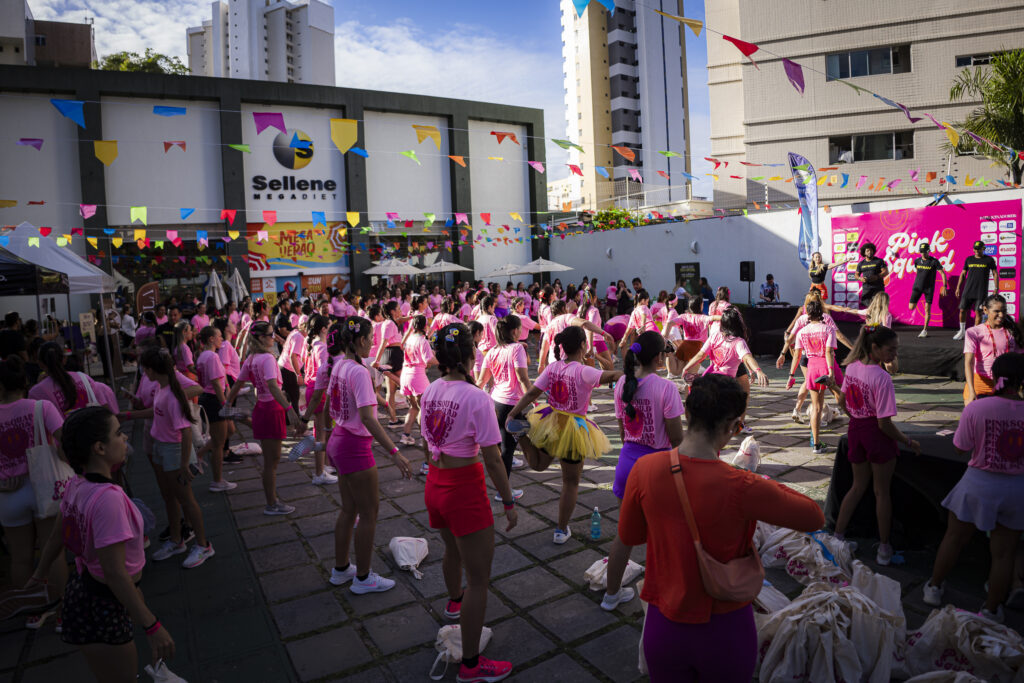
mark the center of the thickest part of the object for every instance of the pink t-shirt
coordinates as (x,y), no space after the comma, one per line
(98,515)
(292,346)
(490,336)
(612,293)
(417,352)
(503,361)
(992,428)
(659,311)
(987,344)
(235,318)
(694,326)
(869,391)
(526,325)
(17,433)
(147,388)
(814,338)
(200,321)
(168,418)
(457,419)
(183,358)
(803,321)
(593,315)
(316,357)
(378,339)
(434,300)
(641,320)
(555,326)
(48,390)
(260,369)
(229,357)
(210,368)
(569,385)
(392,337)
(726,353)
(442,320)
(350,388)
(656,400)
(466,311)
(544,316)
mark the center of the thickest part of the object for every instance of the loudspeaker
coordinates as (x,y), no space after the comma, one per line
(747,271)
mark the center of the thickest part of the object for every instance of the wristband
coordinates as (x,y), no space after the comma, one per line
(394,451)
(154,628)
(508,505)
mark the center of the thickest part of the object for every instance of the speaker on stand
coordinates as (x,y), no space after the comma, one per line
(747,275)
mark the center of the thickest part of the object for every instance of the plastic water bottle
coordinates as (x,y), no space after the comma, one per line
(595,525)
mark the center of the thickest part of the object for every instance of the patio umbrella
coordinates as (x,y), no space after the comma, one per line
(393,267)
(442,266)
(542,265)
(506,270)
(237,287)
(215,289)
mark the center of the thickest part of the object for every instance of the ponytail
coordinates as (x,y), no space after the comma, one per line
(315,325)
(508,329)
(644,351)
(1008,373)
(51,357)
(870,335)
(453,347)
(419,324)
(569,341)
(160,362)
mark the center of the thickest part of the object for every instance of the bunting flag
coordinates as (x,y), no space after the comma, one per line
(140,235)
(93,242)
(501,135)
(566,144)
(461,218)
(461,161)
(168,111)
(425,132)
(913,174)
(573,168)
(296,143)
(241,148)
(795,74)
(45,232)
(746,48)
(116,242)
(625,152)
(538,166)
(173,143)
(412,155)
(32,142)
(185,213)
(635,175)
(954,137)
(897,105)
(930,176)
(267,119)
(663,175)
(344,133)
(353,218)
(846,179)
(486,218)
(138,213)
(694,24)
(233,234)
(87,210)
(860,182)
(601,171)
(359,151)
(716,162)
(229,214)
(269,217)
(105,150)
(262,236)
(172,235)
(72,109)
(668,154)
(516,217)
(33,242)
(428,219)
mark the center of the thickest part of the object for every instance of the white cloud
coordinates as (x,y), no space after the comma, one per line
(465,62)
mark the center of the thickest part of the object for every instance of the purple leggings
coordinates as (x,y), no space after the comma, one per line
(723,650)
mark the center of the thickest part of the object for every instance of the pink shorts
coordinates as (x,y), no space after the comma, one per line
(350,452)
(268,421)
(817,367)
(599,345)
(309,397)
(413,380)
(866,442)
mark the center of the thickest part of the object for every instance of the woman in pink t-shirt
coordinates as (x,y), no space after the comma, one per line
(561,429)
(174,459)
(272,410)
(435,299)
(490,324)
(390,357)
(413,380)
(818,341)
(290,361)
(640,320)
(468,304)
(103,529)
(445,315)
(869,398)
(67,391)
(505,366)
(315,357)
(984,343)
(462,437)
(591,312)
(213,379)
(649,410)
(545,299)
(990,495)
(693,328)
(182,351)
(521,310)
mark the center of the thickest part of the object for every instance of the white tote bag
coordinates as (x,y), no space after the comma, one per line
(87,382)
(449,647)
(48,474)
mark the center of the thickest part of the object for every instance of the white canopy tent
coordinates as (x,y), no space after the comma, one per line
(83,277)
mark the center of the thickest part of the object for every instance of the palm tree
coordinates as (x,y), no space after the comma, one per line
(1000,116)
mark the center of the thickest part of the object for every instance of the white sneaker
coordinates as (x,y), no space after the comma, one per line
(518,463)
(324,478)
(169,549)
(820,448)
(933,594)
(341,578)
(923,335)
(884,556)
(330,470)
(197,556)
(220,486)
(516,495)
(996,616)
(958,336)
(797,417)
(610,602)
(561,536)
(747,429)
(407,440)
(278,508)
(374,583)
(592,408)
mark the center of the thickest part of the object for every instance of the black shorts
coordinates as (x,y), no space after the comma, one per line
(393,357)
(971,301)
(93,614)
(928,294)
(741,370)
(212,405)
(867,293)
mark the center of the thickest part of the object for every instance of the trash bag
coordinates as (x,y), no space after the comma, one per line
(161,674)
(749,457)
(248,448)
(807,557)
(408,553)
(956,640)
(828,413)
(449,647)
(597,574)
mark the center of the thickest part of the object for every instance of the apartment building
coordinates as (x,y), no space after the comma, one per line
(25,40)
(625,85)
(908,51)
(265,40)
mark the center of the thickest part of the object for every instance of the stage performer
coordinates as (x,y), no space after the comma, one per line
(984,343)
(818,270)
(975,289)
(871,271)
(927,267)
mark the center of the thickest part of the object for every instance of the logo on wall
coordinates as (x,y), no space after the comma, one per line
(293,149)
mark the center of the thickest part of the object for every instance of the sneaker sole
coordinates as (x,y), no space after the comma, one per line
(200,563)
(272,513)
(359,590)
(340,583)
(452,616)
(167,557)
(483,679)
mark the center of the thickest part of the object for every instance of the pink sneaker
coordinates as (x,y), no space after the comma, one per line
(453,610)
(486,671)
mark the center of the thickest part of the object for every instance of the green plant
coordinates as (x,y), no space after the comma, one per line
(151,62)
(616,218)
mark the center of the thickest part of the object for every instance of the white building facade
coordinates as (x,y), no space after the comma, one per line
(265,40)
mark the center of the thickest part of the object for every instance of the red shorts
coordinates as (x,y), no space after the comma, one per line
(821,288)
(268,421)
(457,499)
(866,442)
(817,367)
(349,452)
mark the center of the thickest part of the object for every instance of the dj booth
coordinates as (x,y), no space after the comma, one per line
(765,325)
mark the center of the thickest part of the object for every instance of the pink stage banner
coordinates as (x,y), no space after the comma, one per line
(951,230)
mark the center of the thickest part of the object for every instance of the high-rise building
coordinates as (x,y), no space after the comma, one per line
(625,85)
(26,40)
(907,51)
(265,40)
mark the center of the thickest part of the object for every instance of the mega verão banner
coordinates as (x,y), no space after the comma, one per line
(950,230)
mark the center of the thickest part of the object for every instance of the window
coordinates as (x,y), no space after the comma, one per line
(871,147)
(882,60)
(974,60)
(41,41)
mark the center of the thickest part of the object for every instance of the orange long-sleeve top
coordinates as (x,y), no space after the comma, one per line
(727,504)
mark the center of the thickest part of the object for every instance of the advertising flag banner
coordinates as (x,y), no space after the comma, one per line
(807,193)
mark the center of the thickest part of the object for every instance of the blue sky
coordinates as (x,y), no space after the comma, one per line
(473,49)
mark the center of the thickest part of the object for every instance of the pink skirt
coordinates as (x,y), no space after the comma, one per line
(268,421)
(817,366)
(349,452)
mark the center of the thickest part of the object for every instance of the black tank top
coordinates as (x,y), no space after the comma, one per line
(818,276)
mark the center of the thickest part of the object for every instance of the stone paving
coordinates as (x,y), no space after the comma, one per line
(263,610)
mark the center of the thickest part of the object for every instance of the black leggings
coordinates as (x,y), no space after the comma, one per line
(508,442)
(290,387)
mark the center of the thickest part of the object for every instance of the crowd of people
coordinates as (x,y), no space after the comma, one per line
(680,396)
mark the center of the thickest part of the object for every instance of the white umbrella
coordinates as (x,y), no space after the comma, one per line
(442,266)
(505,271)
(542,265)
(237,287)
(393,267)
(215,289)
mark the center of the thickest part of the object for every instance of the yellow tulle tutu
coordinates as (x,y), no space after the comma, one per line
(566,436)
